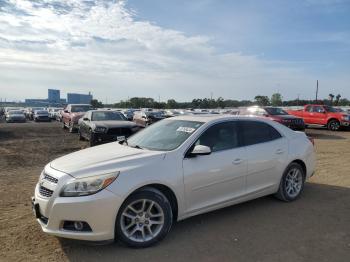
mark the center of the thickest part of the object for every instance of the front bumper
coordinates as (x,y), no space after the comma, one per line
(101,138)
(345,123)
(15,120)
(98,210)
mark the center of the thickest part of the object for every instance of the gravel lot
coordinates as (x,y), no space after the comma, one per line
(314,228)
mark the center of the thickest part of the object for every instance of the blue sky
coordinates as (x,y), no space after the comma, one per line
(174,49)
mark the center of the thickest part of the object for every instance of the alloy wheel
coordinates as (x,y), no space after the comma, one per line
(293,182)
(142,220)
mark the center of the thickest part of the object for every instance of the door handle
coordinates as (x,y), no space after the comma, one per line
(279,151)
(237,161)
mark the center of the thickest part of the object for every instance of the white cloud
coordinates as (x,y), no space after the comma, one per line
(100,47)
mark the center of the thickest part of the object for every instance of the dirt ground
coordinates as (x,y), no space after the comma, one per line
(314,228)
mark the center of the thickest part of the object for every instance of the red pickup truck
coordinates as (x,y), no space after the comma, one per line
(322,115)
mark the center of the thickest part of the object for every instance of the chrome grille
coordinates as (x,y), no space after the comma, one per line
(45,191)
(50,178)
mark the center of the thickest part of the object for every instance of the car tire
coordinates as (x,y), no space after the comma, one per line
(149,205)
(92,139)
(70,127)
(333,125)
(292,183)
(81,138)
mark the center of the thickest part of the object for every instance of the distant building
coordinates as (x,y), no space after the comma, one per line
(54,96)
(79,98)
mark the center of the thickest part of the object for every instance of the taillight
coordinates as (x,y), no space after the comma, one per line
(311,140)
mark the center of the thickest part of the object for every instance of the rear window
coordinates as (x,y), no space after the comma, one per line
(254,132)
(77,109)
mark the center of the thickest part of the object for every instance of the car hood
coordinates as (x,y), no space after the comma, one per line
(105,159)
(111,124)
(16,115)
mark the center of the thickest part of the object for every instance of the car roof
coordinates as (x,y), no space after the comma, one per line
(205,118)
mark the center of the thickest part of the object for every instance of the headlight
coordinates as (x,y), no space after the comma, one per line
(100,129)
(346,118)
(88,186)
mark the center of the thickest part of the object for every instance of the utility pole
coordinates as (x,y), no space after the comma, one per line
(316,91)
(298,99)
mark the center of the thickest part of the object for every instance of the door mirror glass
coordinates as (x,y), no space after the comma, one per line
(200,150)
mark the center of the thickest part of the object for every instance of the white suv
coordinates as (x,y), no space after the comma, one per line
(174,169)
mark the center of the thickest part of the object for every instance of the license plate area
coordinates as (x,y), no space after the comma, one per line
(36,209)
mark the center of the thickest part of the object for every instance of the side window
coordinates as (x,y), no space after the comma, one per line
(257,132)
(308,109)
(221,136)
(318,109)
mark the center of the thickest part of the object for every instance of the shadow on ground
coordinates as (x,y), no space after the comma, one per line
(319,133)
(260,230)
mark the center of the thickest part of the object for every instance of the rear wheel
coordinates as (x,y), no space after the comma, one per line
(333,125)
(92,139)
(292,183)
(144,219)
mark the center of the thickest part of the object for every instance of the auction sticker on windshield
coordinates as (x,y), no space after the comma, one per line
(186,129)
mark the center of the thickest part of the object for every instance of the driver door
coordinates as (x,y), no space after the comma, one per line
(219,177)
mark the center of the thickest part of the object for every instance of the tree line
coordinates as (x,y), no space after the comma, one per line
(275,100)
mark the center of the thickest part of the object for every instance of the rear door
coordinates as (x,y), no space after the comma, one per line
(214,179)
(267,152)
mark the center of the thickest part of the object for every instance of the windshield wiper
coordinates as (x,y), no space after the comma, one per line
(137,146)
(125,141)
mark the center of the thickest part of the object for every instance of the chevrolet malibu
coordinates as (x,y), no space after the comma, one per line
(134,190)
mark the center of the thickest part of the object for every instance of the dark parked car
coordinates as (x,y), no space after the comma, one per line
(30,112)
(13,116)
(276,114)
(41,116)
(101,126)
(146,118)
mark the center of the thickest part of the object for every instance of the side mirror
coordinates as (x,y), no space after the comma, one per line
(85,119)
(200,150)
(66,111)
(144,117)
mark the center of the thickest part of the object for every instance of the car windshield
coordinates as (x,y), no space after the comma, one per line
(331,109)
(82,108)
(164,135)
(154,114)
(41,112)
(275,111)
(107,116)
(17,112)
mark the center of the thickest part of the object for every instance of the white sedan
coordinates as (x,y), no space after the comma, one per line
(172,170)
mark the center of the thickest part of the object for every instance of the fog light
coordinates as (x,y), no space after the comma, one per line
(78,225)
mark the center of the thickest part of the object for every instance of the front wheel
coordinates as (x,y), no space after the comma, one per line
(333,125)
(292,183)
(71,127)
(144,219)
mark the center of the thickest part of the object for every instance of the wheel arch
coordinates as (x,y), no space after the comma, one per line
(331,119)
(302,164)
(168,193)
